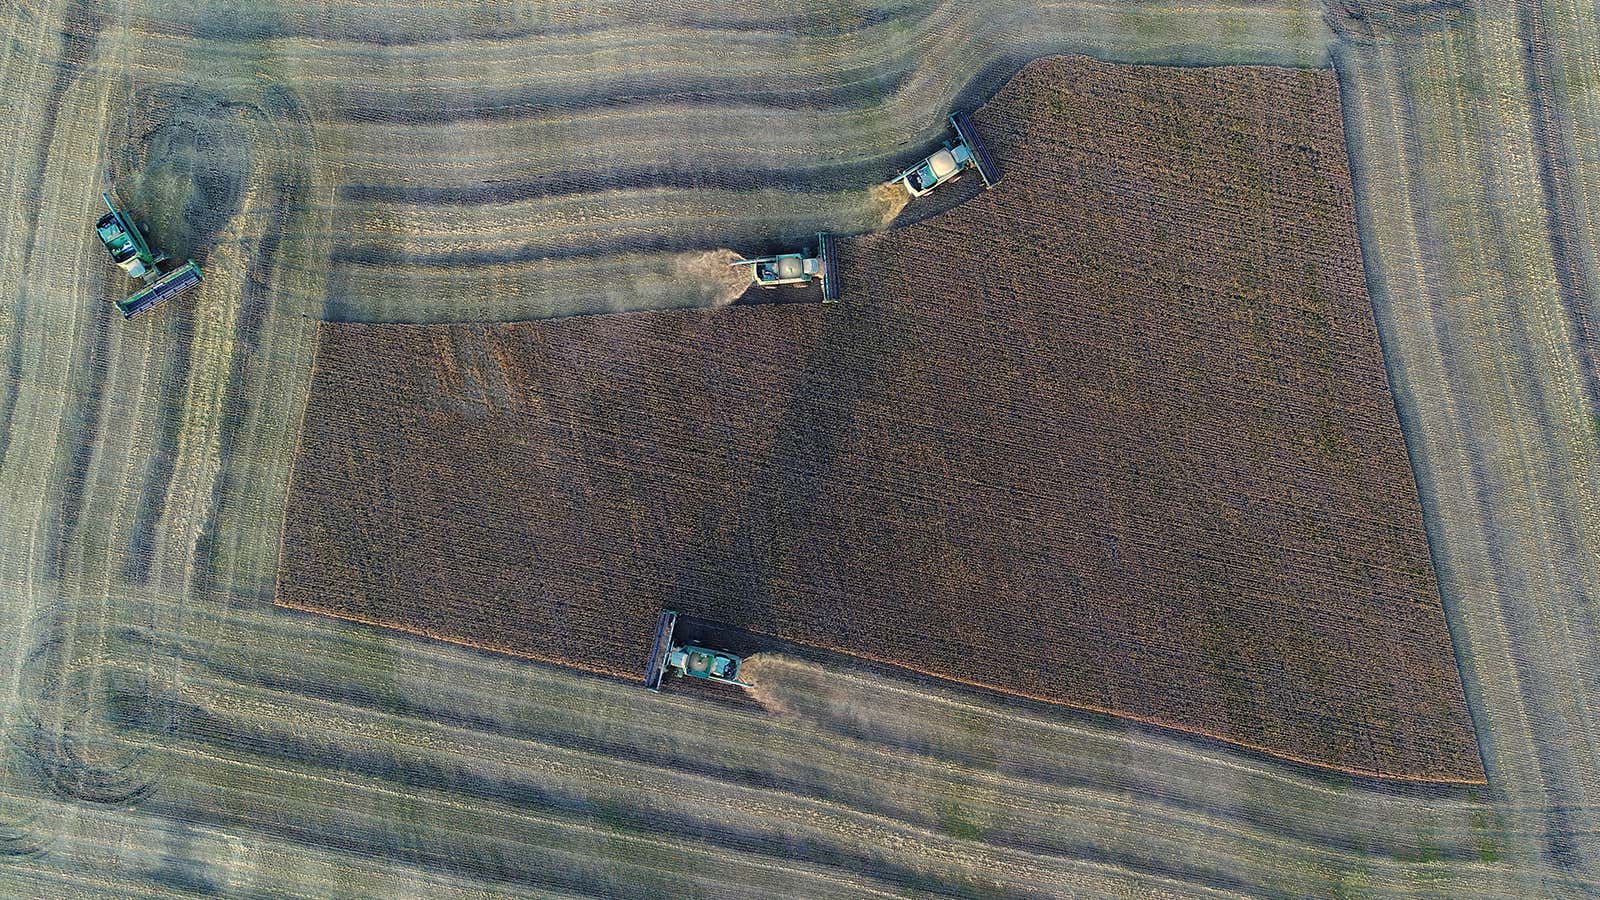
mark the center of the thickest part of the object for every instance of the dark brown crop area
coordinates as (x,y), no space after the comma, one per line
(1116,434)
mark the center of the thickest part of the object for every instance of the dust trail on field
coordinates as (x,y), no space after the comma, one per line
(713,267)
(887,201)
(772,678)
(802,691)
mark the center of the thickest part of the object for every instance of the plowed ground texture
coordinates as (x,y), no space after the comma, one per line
(1116,434)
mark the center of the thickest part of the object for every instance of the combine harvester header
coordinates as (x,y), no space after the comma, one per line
(178,281)
(130,251)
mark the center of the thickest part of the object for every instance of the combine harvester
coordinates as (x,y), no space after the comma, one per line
(687,660)
(129,250)
(798,270)
(947,164)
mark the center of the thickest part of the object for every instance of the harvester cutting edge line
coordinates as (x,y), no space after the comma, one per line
(987,170)
(131,252)
(948,162)
(176,282)
(797,269)
(656,668)
(687,660)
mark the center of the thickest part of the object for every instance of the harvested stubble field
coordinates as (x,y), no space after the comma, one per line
(168,731)
(1115,435)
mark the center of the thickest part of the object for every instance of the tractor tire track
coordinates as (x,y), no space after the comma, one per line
(531,796)
(284,120)
(871,71)
(57,742)
(1023,774)
(189,151)
(79,36)
(1497,400)
(1575,266)
(78,441)
(178,352)
(1363,23)
(1509,582)
(1367,842)
(1005,742)
(171,130)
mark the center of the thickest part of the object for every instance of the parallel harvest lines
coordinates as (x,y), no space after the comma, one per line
(856,772)
(199,626)
(1491,396)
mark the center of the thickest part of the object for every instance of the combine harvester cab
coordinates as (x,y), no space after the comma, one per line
(797,269)
(124,242)
(687,660)
(947,163)
(130,251)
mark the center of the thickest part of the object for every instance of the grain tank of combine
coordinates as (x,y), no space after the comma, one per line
(687,660)
(131,252)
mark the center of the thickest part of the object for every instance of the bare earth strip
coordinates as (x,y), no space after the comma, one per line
(168,732)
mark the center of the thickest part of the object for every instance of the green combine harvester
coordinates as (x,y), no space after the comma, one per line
(947,163)
(687,660)
(799,270)
(129,250)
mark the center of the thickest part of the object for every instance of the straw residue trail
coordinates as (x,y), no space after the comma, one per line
(715,268)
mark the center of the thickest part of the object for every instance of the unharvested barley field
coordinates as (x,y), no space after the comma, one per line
(1114,434)
(169,731)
